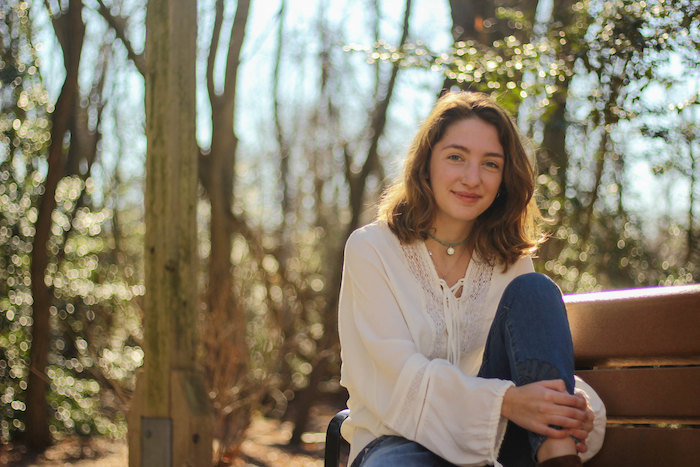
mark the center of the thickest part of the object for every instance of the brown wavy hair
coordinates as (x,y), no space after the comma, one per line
(510,228)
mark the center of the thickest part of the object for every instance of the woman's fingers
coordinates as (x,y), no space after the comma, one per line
(542,405)
(564,422)
(569,400)
(548,431)
(560,407)
(586,425)
(581,447)
(555,384)
(579,434)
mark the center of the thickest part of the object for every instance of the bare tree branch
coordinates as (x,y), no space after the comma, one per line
(213,51)
(376,129)
(281,142)
(234,53)
(119,24)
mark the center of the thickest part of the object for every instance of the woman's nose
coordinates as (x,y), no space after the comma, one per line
(470,174)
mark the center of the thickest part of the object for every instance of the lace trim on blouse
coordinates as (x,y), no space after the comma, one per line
(455,320)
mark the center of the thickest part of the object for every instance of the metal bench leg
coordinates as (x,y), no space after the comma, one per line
(333,439)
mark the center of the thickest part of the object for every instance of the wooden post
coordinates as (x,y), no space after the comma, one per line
(170,421)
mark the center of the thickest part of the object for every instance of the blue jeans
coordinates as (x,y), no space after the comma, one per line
(529,341)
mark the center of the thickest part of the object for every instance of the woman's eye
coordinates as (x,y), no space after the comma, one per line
(492,165)
(454,157)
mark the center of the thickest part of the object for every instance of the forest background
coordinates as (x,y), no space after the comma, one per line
(304,111)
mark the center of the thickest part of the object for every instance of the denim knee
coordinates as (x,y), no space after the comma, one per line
(533,281)
(532,289)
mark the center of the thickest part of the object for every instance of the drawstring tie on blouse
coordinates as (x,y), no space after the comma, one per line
(453,322)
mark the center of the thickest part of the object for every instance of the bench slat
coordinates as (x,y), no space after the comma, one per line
(651,326)
(647,447)
(648,395)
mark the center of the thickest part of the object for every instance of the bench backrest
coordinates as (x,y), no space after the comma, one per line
(640,350)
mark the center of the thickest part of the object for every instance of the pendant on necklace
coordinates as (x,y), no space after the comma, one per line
(450,246)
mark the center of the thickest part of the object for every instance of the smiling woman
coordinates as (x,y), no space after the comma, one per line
(466,169)
(508,226)
(454,352)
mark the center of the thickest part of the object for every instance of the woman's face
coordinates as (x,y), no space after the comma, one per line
(466,169)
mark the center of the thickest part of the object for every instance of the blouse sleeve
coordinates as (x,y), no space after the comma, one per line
(429,401)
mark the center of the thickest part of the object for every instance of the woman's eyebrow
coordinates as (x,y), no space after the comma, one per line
(466,149)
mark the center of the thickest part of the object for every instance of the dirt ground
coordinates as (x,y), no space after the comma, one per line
(265,446)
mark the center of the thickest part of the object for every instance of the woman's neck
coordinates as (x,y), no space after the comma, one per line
(451,232)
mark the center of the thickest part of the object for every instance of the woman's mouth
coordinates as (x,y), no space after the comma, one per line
(467,197)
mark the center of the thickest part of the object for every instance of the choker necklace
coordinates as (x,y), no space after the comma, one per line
(450,246)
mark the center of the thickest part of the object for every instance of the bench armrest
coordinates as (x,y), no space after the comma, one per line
(333,438)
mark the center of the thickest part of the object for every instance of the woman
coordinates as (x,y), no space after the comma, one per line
(454,351)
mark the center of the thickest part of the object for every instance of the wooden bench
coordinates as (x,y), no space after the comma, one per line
(640,350)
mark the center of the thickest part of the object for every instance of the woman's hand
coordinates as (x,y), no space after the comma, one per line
(538,405)
(581,434)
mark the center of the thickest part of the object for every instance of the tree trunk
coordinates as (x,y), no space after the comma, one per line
(170,394)
(468,18)
(37,433)
(553,157)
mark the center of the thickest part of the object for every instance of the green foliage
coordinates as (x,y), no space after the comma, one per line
(23,135)
(93,272)
(596,58)
(628,47)
(511,68)
(95,319)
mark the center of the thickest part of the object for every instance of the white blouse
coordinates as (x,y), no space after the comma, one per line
(411,349)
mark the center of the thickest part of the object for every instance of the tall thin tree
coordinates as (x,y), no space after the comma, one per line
(71,31)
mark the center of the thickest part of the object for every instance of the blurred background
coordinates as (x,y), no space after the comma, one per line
(306,108)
